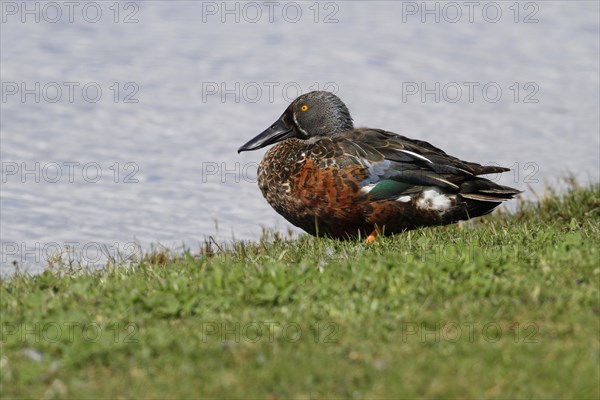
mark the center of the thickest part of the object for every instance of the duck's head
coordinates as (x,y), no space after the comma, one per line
(314,114)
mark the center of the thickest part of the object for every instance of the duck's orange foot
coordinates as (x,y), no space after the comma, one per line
(371,238)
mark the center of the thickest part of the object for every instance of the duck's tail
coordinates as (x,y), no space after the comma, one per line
(481,189)
(480,196)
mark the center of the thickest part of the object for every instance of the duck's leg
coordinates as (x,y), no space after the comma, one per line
(371,238)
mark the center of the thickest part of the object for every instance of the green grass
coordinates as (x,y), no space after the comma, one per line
(507,307)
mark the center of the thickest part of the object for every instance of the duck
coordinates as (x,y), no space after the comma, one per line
(331,179)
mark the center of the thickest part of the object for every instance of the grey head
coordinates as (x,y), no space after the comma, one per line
(313,114)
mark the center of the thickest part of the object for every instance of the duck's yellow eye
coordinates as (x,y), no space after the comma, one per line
(304,108)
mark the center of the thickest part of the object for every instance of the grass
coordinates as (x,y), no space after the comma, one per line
(507,307)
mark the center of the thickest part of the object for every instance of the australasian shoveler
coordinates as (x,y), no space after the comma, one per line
(331,179)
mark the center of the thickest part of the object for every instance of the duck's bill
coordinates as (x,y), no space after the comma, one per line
(276,133)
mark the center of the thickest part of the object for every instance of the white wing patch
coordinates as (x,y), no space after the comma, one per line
(412,153)
(433,199)
(368,188)
(403,199)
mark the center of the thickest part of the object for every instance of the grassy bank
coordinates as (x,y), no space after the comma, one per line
(504,307)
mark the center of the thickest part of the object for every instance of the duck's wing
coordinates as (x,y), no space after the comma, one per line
(399,166)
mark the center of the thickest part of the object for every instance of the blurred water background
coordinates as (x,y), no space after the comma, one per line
(120,121)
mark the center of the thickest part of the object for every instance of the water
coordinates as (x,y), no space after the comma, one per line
(169,169)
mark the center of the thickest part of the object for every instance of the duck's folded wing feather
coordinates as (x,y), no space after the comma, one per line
(398,166)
